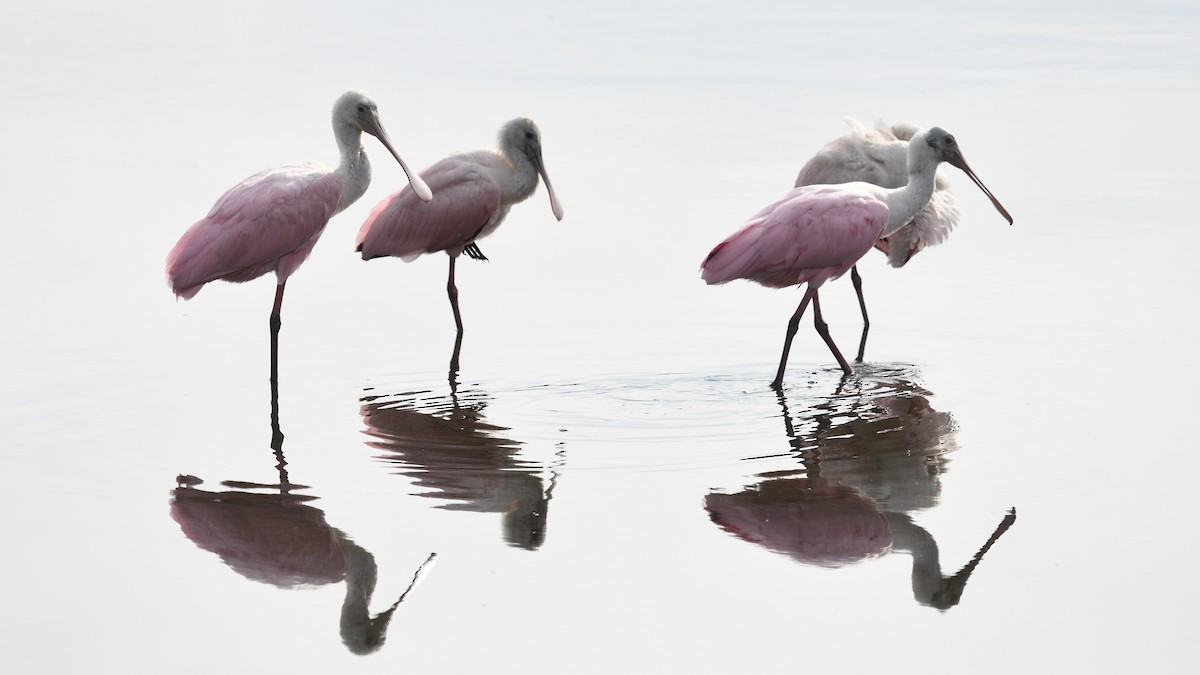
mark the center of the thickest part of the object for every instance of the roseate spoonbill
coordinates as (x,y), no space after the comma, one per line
(817,232)
(879,155)
(473,193)
(271,221)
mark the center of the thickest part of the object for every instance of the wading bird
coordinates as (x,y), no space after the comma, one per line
(818,232)
(271,221)
(879,155)
(473,192)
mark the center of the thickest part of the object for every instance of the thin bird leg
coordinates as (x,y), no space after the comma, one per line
(275,324)
(793,324)
(862,304)
(452,291)
(823,331)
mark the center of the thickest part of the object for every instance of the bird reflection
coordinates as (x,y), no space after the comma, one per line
(270,534)
(871,457)
(449,449)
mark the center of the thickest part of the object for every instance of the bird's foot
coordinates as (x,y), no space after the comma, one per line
(473,252)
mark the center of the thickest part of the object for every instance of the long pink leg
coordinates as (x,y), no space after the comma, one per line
(862,304)
(823,331)
(275,324)
(793,324)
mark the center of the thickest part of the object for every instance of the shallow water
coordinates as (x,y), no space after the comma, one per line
(608,483)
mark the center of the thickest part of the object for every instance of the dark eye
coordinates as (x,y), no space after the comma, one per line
(529,135)
(362,108)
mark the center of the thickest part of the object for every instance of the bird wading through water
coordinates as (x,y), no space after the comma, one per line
(818,232)
(271,221)
(473,192)
(879,155)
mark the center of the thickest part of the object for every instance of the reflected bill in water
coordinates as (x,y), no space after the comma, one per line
(446,445)
(271,534)
(872,454)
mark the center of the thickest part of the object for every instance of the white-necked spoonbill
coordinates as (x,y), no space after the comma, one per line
(818,232)
(473,192)
(271,221)
(879,155)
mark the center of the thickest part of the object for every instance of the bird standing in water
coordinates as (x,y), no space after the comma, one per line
(271,221)
(816,233)
(473,192)
(879,155)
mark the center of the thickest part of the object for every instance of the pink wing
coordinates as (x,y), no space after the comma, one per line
(813,234)
(465,199)
(268,222)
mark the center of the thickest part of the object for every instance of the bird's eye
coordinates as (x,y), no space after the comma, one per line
(529,135)
(362,108)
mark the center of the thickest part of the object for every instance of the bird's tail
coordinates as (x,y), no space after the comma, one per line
(730,260)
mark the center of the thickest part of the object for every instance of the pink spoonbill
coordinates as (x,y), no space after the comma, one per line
(270,221)
(818,232)
(473,192)
(879,155)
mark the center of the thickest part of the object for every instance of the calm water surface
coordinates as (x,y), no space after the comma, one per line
(608,483)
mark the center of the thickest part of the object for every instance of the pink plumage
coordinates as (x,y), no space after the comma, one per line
(811,235)
(879,155)
(271,221)
(473,194)
(467,200)
(267,223)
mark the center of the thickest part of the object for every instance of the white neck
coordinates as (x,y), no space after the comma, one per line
(904,202)
(521,181)
(354,168)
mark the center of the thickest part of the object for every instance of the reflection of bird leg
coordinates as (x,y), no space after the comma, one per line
(277,436)
(285,485)
(275,323)
(862,304)
(453,376)
(929,586)
(810,457)
(787,417)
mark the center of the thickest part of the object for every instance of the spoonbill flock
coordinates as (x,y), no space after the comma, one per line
(873,188)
